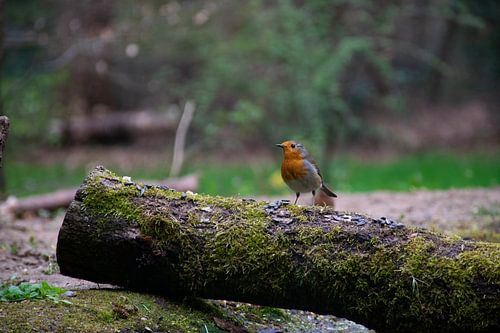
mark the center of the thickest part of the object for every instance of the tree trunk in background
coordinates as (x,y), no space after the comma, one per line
(2,172)
(116,126)
(436,84)
(4,132)
(91,85)
(373,271)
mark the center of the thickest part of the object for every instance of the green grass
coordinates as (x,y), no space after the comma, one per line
(242,180)
(423,171)
(346,174)
(349,174)
(26,179)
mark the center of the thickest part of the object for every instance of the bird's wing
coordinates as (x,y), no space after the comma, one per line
(315,165)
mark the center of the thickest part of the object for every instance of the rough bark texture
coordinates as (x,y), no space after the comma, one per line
(4,132)
(4,121)
(373,271)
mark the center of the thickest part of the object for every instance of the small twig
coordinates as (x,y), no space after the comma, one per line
(180,138)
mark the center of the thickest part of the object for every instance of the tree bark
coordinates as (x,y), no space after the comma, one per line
(4,132)
(4,121)
(376,272)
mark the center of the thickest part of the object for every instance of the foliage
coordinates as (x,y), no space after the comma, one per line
(290,50)
(436,170)
(32,291)
(28,178)
(258,70)
(262,71)
(32,104)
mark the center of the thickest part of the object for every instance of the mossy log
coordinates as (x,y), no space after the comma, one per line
(374,271)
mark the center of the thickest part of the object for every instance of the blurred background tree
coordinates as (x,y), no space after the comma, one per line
(332,73)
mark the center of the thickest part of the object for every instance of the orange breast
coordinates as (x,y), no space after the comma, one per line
(292,169)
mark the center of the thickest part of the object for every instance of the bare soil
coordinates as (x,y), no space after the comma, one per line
(28,245)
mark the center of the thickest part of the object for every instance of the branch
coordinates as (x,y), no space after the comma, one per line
(180,139)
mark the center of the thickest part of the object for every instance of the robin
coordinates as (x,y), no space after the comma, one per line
(300,172)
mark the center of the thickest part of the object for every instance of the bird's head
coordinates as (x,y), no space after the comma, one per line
(292,149)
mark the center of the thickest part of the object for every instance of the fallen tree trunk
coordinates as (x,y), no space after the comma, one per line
(62,198)
(115,126)
(373,271)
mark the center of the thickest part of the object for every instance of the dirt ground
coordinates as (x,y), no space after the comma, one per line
(28,246)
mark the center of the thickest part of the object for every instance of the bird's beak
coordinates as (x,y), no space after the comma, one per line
(279,145)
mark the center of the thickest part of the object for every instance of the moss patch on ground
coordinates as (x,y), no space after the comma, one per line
(114,311)
(102,311)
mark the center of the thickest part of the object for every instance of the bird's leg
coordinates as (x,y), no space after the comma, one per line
(313,193)
(297,194)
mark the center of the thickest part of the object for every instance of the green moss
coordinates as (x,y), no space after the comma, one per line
(105,316)
(439,286)
(309,235)
(297,209)
(102,201)
(375,241)
(102,311)
(241,244)
(262,313)
(298,212)
(423,286)
(411,283)
(240,247)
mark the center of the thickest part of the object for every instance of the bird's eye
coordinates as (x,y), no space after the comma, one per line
(293,145)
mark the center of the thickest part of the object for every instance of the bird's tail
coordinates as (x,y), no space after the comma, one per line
(327,191)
